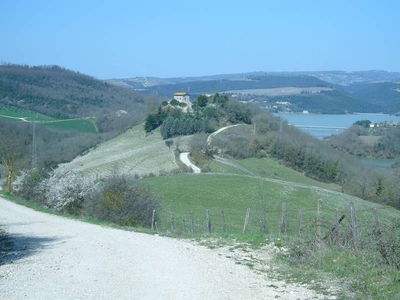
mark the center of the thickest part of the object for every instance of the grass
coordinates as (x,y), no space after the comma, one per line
(14,114)
(85,125)
(186,193)
(9,113)
(269,168)
(132,151)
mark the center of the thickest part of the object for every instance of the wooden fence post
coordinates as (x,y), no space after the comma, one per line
(283,226)
(319,219)
(223,221)
(336,236)
(152,219)
(191,222)
(184,225)
(354,226)
(263,222)
(300,223)
(377,226)
(246,220)
(208,221)
(171,219)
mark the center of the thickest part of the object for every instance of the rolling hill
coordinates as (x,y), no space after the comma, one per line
(61,93)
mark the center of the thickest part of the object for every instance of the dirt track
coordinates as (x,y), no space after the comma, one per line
(58,258)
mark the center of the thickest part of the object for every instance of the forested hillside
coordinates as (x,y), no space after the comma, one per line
(62,93)
(52,91)
(383,97)
(326,102)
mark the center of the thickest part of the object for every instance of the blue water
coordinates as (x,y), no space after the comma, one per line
(339,121)
(332,120)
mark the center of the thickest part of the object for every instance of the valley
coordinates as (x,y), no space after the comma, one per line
(256,182)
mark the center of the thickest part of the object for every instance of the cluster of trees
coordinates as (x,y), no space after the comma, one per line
(117,198)
(208,113)
(360,140)
(172,127)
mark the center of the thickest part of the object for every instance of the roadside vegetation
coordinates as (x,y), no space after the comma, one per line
(263,184)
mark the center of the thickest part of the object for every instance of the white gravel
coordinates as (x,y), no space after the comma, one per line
(184,157)
(66,259)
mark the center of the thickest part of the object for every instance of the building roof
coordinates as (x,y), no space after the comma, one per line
(181,94)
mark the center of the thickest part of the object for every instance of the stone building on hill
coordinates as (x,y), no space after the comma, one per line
(184,98)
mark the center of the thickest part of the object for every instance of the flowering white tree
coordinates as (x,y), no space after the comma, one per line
(66,189)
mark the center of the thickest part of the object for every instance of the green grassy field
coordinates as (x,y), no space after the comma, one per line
(14,114)
(79,125)
(185,193)
(10,113)
(269,168)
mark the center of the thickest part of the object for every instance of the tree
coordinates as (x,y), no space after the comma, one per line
(169,143)
(202,100)
(8,159)
(364,123)
(150,123)
(11,153)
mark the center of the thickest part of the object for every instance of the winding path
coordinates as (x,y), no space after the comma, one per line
(184,157)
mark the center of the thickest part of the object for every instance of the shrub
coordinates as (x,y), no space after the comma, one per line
(120,199)
(26,184)
(66,189)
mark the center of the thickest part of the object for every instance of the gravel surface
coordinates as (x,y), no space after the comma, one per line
(184,157)
(59,258)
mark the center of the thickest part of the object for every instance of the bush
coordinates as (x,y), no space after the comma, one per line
(66,189)
(26,185)
(120,199)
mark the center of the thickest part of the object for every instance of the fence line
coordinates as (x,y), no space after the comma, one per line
(339,226)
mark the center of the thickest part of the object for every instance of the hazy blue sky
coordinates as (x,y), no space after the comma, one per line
(118,39)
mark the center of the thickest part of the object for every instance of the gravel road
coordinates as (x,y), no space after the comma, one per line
(59,258)
(184,157)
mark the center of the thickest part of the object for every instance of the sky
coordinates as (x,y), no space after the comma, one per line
(124,39)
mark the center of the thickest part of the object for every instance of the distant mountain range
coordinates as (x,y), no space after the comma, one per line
(344,92)
(342,78)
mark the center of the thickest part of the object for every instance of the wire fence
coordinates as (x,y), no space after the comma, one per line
(324,223)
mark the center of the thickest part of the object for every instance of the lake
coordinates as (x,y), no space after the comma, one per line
(332,121)
(339,121)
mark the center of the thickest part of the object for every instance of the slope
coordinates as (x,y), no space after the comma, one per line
(61,93)
(132,152)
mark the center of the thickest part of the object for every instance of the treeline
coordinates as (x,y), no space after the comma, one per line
(379,142)
(172,127)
